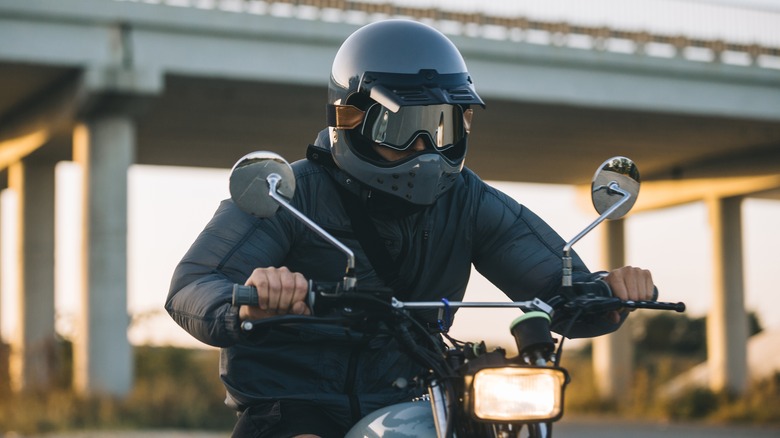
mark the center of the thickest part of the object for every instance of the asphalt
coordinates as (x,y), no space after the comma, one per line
(568,428)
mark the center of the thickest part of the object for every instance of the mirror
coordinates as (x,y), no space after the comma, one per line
(616,170)
(249,185)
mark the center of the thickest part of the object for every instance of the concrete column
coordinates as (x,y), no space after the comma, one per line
(613,354)
(727,325)
(33,358)
(5,384)
(104,146)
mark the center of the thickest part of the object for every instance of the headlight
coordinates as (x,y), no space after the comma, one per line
(518,394)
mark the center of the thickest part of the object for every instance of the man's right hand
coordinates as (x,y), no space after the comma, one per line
(279,292)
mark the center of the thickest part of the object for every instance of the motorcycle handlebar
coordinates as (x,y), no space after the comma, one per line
(596,297)
(322,296)
(587,298)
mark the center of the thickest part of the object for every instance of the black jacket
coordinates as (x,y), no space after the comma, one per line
(472,223)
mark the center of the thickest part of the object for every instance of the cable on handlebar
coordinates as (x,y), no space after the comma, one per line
(564,333)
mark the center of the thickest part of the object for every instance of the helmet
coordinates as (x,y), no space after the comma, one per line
(393,82)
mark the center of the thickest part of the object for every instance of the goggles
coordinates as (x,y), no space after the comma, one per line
(445,125)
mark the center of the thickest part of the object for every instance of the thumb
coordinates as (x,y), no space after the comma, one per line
(300,308)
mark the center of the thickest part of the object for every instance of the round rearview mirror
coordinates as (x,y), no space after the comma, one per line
(249,187)
(619,171)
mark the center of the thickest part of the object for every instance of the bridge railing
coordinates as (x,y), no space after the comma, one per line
(506,26)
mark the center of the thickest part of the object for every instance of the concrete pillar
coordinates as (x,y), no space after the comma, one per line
(727,325)
(613,354)
(33,358)
(5,384)
(104,146)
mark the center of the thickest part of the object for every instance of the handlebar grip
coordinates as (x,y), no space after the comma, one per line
(600,288)
(244,295)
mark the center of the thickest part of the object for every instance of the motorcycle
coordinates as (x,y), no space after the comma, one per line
(471,391)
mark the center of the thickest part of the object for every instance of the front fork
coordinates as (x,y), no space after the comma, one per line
(440,407)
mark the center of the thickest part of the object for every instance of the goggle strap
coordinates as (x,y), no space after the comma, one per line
(344,116)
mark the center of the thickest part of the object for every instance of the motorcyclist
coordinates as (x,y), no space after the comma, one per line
(388,179)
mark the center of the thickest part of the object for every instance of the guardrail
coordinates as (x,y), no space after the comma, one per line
(500,27)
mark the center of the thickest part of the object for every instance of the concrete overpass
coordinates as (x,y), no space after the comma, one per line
(109,84)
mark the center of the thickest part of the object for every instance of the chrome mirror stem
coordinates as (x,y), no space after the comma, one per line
(349,277)
(567,262)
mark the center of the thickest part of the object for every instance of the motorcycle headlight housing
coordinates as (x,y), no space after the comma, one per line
(517,394)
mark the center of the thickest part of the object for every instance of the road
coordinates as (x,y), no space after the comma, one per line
(611,428)
(568,428)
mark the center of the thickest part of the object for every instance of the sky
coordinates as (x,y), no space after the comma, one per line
(169,206)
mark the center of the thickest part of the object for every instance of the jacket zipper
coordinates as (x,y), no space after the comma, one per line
(349,384)
(423,255)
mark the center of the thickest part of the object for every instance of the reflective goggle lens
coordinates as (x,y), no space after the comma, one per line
(445,125)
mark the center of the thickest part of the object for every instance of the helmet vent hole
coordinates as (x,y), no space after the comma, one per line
(461,94)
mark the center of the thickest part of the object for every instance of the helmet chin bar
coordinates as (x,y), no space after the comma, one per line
(420,179)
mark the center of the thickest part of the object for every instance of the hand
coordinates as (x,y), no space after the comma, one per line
(629,283)
(279,292)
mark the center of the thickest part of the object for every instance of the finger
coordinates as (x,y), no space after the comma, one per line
(274,290)
(649,285)
(617,284)
(252,313)
(296,290)
(634,284)
(301,287)
(287,292)
(640,284)
(259,280)
(300,308)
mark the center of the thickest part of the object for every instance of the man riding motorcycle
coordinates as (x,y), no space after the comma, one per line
(387,178)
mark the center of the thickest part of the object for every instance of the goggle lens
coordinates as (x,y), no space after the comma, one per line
(445,125)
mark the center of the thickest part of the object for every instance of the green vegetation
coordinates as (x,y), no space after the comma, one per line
(180,389)
(174,388)
(667,345)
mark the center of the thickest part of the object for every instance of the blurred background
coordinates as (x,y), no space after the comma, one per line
(119,121)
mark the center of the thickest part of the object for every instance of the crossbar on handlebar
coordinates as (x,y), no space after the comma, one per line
(535,304)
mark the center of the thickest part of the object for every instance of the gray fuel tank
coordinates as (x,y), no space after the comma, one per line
(403,420)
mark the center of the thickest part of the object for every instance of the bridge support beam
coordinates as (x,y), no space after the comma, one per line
(33,356)
(727,325)
(104,146)
(613,354)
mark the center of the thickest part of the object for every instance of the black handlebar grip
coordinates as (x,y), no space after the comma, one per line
(600,288)
(244,295)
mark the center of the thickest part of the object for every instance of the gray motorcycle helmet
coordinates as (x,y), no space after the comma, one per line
(397,63)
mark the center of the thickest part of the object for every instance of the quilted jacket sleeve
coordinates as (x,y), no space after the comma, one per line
(521,254)
(226,252)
